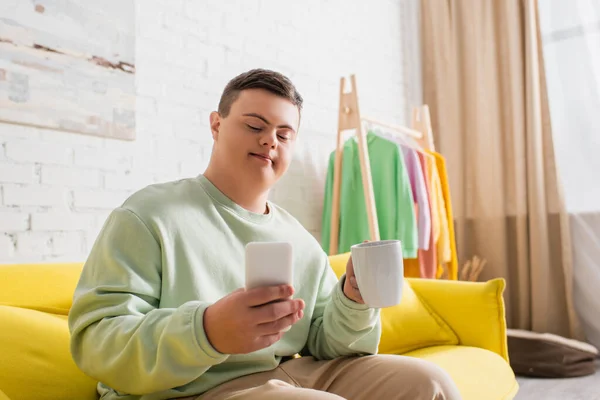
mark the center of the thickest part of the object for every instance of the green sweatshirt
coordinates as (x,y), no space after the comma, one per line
(392,191)
(161,259)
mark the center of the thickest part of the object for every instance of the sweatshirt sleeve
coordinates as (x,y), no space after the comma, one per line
(340,326)
(119,335)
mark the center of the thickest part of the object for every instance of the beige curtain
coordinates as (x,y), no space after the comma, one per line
(483,79)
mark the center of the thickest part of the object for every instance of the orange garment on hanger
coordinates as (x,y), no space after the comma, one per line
(444,251)
(452,263)
(442,237)
(425,265)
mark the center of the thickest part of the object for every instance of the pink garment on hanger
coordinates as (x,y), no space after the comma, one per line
(427,258)
(420,195)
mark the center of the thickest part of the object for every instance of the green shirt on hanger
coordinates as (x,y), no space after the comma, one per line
(392,191)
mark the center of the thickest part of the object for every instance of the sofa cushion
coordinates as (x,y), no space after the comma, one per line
(3,396)
(478,373)
(35,361)
(408,326)
(43,287)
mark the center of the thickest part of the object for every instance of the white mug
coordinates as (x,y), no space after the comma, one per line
(379,271)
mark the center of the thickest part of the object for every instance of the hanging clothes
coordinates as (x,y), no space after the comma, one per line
(420,195)
(452,258)
(432,264)
(425,266)
(418,186)
(443,239)
(392,191)
(442,236)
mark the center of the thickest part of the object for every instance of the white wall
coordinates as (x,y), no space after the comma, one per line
(57,188)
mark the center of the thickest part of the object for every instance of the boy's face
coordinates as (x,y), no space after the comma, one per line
(256,140)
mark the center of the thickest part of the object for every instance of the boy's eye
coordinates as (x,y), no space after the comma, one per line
(254,128)
(283,137)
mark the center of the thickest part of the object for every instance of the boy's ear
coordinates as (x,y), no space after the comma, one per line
(215,124)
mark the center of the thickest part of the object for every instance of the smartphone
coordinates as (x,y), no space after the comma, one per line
(268,264)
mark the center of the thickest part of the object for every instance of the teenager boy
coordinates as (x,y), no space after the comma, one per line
(160,311)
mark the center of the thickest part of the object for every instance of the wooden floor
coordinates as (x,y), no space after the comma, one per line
(584,388)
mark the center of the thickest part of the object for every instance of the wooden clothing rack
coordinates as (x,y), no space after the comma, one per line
(351,119)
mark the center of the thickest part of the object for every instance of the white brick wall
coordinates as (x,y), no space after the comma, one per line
(33,195)
(7,248)
(37,151)
(56,189)
(61,221)
(97,199)
(69,176)
(11,172)
(13,221)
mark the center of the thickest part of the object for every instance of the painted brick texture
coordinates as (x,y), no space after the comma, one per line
(56,188)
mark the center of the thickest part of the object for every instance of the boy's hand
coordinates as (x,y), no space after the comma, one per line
(350,285)
(248,320)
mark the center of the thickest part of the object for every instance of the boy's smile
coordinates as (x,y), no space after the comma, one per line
(265,158)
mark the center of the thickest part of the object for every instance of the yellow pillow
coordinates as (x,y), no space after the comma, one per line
(408,326)
(474,310)
(3,396)
(43,287)
(35,361)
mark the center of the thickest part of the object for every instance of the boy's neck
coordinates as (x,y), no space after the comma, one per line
(241,193)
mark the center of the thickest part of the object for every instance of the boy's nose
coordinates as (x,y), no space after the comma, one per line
(269,139)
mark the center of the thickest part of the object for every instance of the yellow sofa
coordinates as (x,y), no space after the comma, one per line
(457,325)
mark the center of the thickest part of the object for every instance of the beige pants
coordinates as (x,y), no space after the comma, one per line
(377,377)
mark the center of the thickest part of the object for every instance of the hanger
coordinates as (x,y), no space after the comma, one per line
(408,137)
(421,133)
(397,128)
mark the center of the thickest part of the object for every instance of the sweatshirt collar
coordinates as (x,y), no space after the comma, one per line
(226,202)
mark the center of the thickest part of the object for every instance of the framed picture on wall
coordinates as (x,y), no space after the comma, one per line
(69,66)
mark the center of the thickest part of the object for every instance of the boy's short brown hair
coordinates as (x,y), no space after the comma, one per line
(259,78)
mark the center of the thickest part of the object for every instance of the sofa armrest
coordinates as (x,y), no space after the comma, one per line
(474,310)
